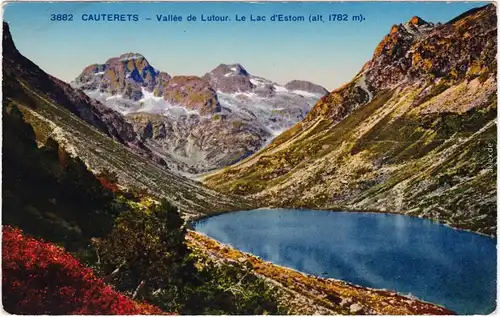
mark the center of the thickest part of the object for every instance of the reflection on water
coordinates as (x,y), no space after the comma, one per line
(452,268)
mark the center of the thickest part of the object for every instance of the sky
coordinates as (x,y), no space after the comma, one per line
(326,53)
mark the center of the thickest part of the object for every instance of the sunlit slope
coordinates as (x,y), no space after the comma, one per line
(414,132)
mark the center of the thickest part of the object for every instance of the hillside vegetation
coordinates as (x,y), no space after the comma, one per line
(414,132)
(121,242)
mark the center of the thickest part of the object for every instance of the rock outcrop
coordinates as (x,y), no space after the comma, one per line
(192,93)
(127,75)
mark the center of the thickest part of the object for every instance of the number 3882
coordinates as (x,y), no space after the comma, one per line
(61,17)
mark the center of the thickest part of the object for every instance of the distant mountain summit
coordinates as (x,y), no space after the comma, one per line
(198,123)
(131,78)
(127,75)
(235,78)
(418,21)
(229,78)
(20,74)
(302,85)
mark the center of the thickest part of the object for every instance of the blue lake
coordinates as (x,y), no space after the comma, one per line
(452,268)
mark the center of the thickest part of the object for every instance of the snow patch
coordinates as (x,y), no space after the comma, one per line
(157,105)
(361,83)
(279,88)
(111,97)
(255,82)
(131,57)
(306,93)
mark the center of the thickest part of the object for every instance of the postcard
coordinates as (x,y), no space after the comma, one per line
(249,158)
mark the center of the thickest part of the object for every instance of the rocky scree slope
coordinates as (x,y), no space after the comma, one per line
(414,132)
(87,129)
(197,124)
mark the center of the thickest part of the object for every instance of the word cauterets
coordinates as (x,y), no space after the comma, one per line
(110,17)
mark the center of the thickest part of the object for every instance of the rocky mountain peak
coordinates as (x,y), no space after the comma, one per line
(130,62)
(414,28)
(7,42)
(394,29)
(131,56)
(419,50)
(229,78)
(227,70)
(306,86)
(417,21)
(125,75)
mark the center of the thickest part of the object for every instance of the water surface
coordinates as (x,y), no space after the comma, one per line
(453,268)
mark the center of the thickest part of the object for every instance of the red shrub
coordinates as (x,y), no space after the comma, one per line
(41,278)
(108,183)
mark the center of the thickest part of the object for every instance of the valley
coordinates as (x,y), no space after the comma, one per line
(122,168)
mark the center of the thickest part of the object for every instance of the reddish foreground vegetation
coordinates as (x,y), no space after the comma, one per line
(41,278)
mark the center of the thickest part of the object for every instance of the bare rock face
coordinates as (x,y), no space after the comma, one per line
(125,75)
(192,92)
(307,86)
(229,78)
(195,144)
(417,50)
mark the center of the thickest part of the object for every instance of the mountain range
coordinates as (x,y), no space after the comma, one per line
(197,124)
(98,135)
(414,132)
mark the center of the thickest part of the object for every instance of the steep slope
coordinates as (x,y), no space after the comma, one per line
(197,124)
(414,132)
(96,134)
(96,114)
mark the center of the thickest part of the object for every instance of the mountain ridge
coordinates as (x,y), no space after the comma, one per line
(409,134)
(197,124)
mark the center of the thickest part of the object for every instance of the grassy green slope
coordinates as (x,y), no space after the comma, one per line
(384,157)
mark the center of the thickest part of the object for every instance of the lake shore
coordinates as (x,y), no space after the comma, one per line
(309,294)
(375,211)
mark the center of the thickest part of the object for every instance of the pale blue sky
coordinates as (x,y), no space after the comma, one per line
(328,53)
